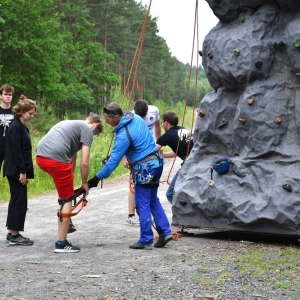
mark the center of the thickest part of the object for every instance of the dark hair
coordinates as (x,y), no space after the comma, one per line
(24,105)
(7,88)
(141,108)
(113,109)
(93,118)
(171,117)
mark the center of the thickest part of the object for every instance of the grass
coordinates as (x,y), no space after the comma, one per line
(42,182)
(280,266)
(275,266)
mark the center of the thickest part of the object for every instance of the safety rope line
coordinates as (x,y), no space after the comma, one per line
(135,62)
(175,235)
(196,25)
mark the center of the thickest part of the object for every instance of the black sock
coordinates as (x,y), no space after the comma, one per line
(131,215)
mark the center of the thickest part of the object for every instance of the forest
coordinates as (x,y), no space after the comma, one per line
(72,57)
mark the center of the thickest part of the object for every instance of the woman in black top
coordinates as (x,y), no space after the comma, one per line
(18,167)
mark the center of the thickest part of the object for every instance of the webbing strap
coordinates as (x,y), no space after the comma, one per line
(83,203)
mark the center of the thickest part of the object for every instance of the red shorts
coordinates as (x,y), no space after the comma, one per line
(61,173)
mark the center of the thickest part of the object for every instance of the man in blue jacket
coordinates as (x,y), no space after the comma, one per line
(134,140)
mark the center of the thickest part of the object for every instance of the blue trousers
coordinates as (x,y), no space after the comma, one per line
(170,191)
(147,203)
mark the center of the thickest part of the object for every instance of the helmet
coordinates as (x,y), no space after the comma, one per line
(221,165)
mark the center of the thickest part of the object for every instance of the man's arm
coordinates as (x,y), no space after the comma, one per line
(157,129)
(169,154)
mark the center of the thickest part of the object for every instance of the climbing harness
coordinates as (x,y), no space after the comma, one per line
(75,209)
(140,173)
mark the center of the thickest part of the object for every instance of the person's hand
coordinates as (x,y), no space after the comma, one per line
(85,187)
(23,178)
(93,182)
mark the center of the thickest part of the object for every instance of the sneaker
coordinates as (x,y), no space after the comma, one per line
(67,248)
(133,221)
(71,228)
(8,236)
(20,240)
(163,241)
(141,246)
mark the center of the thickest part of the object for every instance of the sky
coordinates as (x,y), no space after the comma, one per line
(176,25)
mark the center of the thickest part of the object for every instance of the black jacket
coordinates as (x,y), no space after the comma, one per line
(17,160)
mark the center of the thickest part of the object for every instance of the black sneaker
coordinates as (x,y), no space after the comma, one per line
(141,246)
(20,240)
(8,236)
(66,248)
(71,228)
(163,241)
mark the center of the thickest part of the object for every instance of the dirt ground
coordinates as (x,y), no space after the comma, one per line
(196,266)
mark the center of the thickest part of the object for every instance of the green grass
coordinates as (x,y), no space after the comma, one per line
(42,182)
(280,265)
(276,266)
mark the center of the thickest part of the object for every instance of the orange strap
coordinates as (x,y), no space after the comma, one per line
(175,235)
(83,203)
(131,189)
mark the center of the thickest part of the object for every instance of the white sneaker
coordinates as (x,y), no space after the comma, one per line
(133,221)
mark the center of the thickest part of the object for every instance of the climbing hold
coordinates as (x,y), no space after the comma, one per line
(223,123)
(211,183)
(182,202)
(200,52)
(242,19)
(201,113)
(251,101)
(258,64)
(288,187)
(242,120)
(278,120)
(297,43)
(210,54)
(236,52)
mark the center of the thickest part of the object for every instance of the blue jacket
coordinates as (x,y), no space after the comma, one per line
(143,143)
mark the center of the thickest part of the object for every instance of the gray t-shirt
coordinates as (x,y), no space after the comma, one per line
(65,139)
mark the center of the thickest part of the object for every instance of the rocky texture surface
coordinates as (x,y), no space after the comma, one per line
(252,60)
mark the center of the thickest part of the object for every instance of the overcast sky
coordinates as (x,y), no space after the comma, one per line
(176,24)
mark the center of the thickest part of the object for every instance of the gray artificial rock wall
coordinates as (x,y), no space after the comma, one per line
(252,60)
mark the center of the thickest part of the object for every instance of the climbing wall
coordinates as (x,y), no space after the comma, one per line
(252,61)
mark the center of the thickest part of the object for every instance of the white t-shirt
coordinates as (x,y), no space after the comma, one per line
(151,117)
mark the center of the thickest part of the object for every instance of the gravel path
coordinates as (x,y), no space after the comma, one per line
(199,265)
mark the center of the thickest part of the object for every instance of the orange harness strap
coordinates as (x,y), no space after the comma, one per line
(175,235)
(83,203)
(75,209)
(131,189)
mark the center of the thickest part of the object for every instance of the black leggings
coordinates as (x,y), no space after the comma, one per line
(17,207)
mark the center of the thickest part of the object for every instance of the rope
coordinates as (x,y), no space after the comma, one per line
(175,235)
(135,61)
(188,90)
